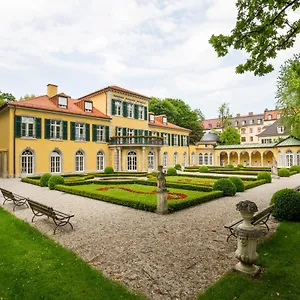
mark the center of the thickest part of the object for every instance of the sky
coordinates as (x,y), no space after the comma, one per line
(154,47)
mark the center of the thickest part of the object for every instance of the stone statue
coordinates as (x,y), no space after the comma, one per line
(161,180)
(274,169)
(162,192)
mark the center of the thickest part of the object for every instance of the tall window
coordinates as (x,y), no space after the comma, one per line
(28,125)
(62,102)
(280,159)
(175,158)
(130,110)
(118,106)
(184,140)
(184,159)
(151,160)
(206,159)
(243,130)
(165,159)
(56,129)
(80,132)
(200,159)
(100,136)
(269,117)
(289,158)
(166,139)
(79,161)
(141,112)
(55,162)
(211,159)
(175,139)
(27,162)
(130,132)
(100,161)
(193,159)
(131,161)
(154,133)
(251,130)
(298,158)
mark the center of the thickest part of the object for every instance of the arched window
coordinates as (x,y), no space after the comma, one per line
(165,159)
(100,161)
(200,158)
(269,117)
(184,161)
(210,159)
(298,158)
(289,158)
(280,159)
(79,161)
(27,162)
(131,161)
(243,130)
(55,162)
(151,160)
(193,159)
(175,158)
(206,159)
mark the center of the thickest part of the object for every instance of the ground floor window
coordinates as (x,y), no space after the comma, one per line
(210,159)
(206,159)
(27,162)
(175,159)
(151,160)
(280,159)
(165,159)
(193,159)
(184,159)
(100,161)
(200,158)
(131,161)
(55,162)
(79,161)
(289,158)
(298,158)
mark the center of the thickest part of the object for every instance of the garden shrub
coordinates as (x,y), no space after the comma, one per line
(239,184)
(264,175)
(109,170)
(178,167)
(171,172)
(286,205)
(203,169)
(44,179)
(295,168)
(226,186)
(240,166)
(283,172)
(54,180)
(230,166)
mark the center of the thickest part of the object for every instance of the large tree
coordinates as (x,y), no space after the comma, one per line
(263,28)
(230,136)
(180,114)
(224,115)
(6,97)
(288,94)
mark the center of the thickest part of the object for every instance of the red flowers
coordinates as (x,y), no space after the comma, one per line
(171,195)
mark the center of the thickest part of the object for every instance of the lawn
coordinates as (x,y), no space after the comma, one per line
(280,278)
(35,267)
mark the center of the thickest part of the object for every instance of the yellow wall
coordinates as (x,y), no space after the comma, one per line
(99,102)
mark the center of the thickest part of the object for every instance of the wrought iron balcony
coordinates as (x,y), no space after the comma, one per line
(136,140)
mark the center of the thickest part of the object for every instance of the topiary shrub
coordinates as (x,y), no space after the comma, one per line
(171,172)
(295,168)
(240,166)
(264,175)
(286,205)
(226,186)
(203,169)
(231,166)
(239,184)
(178,167)
(45,179)
(109,170)
(283,172)
(54,180)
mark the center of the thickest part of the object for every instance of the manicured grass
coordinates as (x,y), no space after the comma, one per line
(280,278)
(35,267)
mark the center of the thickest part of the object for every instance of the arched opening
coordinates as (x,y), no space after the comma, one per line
(223,159)
(211,159)
(255,158)
(27,162)
(233,158)
(289,158)
(268,158)
(206,159)
(280,159)
(79,161)
(100,161)
(151,160)
(55,161)
(175,158)
(245,158)
(165,159)
(131,161)
(200,159)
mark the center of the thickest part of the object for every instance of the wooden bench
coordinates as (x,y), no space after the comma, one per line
(260,218)
(16,199)
(59,218)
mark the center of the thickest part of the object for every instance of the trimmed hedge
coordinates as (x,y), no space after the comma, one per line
(45,179)
(264,176)
(120,174)
(203,169)
(239,184)
(178,167)
(109,170)
(295,168)
(226,186)
(293,173)
(230,166)
(31,181)
(54,180)
(240,166)
(250,185)
(107,182)
(283,172)
(171,172)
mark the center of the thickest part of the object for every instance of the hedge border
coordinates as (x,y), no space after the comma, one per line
(254,184)
(31,181)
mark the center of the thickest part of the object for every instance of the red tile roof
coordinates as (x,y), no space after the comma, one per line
(158,122)
(46,103)
(212,122)
(113,88)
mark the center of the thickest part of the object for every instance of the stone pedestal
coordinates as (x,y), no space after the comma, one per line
(162,202)
(247,236)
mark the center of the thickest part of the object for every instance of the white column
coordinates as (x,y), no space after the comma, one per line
(120,159)
(239,158)
(219,160)
(250,163)
(228,157)
(158,157)
(143,159)
(261,159)
(5,173)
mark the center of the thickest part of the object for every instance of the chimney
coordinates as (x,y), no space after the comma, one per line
(238,115)
(266,109)
(250,113)
(51,90)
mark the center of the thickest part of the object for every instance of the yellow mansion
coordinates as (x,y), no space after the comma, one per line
(111,127)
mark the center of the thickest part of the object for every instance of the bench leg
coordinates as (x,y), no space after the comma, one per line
(62,223)
(231,234)
(36,215)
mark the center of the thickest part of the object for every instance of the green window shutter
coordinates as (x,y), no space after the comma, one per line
(17,129)
(38,128)
(47,129)
(65,130)
(172,139)
(169,139)
(125,109)
(124,131)
(188,140)
(116,131)
(136,111)
(146,133)
(87,132)
(72,130)
(94,133)
(179,139)
(107,133)
(150,133)
(135,133)
(145,113)
(162,134)
(113,107)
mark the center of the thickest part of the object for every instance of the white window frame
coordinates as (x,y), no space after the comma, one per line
(130,110)
(166,139)
(289,158)
(131,161)
(62,102)
(55,162)
(165,159)
(175,139)
(79,161)
(206,159)
(78,135)
(130,132)
(298,158)
(258,121)
(184,140)
(184,159)
(164,119)
(193,159)
(27,162)
(28,127)
(100,133)
(88,106)
(200,159)
(141,112)
(118,107)
(280,129)
(100,161)
(56,129)
(151,160)
(175,158)
(269,117)
(152,118)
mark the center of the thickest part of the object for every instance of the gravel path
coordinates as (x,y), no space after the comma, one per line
(164,257)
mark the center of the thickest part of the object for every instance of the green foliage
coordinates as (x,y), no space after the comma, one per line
(203,169)
(230,136)
(31,181)
(286,205)
(230,166)
(263,28)
(181,114)
(45,179)
(283,172)
(171,172)
(240,166)
(226,186)
(224,115)
(288,95)
(28,96)
(6,97)
(295,168)
(109,170)
(178,167)
(253,184)
(54,180)
(239,184)
(264,176)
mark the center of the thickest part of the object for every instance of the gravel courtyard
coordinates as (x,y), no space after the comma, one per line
(164,257)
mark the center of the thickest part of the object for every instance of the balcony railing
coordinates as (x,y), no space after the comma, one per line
(136,140)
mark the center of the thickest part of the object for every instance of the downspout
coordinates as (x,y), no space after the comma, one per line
(14,145)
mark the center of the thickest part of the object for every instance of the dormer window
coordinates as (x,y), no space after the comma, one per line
(243,122)
(236,123)
(280,129)
(152,118)
(164,120)
(88,106)
(258,121)
(251,122)
(270,117)
(62,102)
